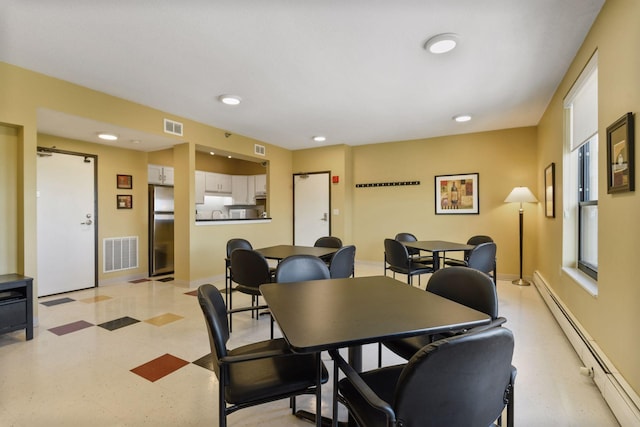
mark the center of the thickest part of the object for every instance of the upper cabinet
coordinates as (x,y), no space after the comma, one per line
(217,183)
(162,175)
(261,185)
(244,190)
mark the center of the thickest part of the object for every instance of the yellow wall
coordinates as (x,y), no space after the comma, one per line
(8,199)
(503,158)
(612,317)
(23,92)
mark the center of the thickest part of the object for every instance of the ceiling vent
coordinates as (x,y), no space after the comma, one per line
(172,127)
(259,150)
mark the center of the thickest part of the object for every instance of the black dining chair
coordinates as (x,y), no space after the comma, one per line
(473,240)
(463,285)
(249,270)
(413,252)
(236,243)
(328,242)
(342,263)
(465,380)
(256,373)
(398,260)
(483,258)
(300,268)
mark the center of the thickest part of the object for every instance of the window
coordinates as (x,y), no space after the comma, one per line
(581,186)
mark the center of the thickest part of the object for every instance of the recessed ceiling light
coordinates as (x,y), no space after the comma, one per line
(319,138)
(461,118)
(228,157)
(230,99)
(212,153)
(108,136)
(442,43)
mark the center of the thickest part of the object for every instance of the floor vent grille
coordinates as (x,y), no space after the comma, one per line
(120,253)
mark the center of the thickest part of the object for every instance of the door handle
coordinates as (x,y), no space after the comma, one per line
(324,217)
(87,222)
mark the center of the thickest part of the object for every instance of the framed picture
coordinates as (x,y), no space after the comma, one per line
(457,194)
(620,155)
(124,201)
(125,181)
(550,191)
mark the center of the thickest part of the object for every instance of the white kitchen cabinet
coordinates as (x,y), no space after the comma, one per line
(200,183)
(217,183)
(261,184)
(160,175)
(239,189)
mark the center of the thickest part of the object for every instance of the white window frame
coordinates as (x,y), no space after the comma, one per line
(581,127)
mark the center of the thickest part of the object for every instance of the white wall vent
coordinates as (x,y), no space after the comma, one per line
(259,149)
(172,127)
(120,253)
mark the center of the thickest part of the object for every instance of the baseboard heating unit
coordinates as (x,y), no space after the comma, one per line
(621,398)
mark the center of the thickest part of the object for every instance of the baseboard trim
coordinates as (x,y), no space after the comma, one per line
(621,398)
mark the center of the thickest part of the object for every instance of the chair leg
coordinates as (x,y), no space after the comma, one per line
(230,307)
(379,355)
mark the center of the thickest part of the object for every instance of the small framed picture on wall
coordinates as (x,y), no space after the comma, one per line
(124,201)
(124,182)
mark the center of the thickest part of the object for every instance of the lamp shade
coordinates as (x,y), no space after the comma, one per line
(521,195)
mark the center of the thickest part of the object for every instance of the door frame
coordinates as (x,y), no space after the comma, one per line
(293,180)
(94,157)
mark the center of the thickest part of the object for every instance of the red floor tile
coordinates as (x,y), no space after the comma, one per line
(160,367)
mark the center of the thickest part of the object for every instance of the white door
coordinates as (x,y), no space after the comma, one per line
(66,222)
(311,204)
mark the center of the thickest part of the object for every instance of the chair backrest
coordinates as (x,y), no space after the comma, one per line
(466,286)
(299,268)
(342,262)
(215,316)
(328,242)
(459,381)
(476,240)
(408,237)
(396,254)
(483,257)
(249,268)
(237,244)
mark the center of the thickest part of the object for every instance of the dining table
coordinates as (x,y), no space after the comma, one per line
(436,247)
(280,252)
(320,315)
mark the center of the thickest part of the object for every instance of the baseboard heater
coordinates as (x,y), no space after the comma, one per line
(621,398)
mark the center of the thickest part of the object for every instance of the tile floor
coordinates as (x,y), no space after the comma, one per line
(135,354)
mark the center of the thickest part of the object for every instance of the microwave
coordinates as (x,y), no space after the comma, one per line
(241,213)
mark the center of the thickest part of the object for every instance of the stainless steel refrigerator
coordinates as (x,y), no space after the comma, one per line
(160,230)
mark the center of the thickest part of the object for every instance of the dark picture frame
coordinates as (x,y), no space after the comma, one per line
(124,201)
(620,155)
(457,194)
(124,182)
(550,191)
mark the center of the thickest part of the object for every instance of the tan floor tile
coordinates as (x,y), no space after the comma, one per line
(163,319)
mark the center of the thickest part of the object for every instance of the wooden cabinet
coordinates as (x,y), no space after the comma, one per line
(162,175)
(261,184)
(217,183)
(16,304)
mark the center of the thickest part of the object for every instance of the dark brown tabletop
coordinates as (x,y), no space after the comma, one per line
(437,246)
(281,252)
(326,314)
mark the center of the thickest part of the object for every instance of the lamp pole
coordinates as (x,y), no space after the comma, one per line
(521,195)
(521,281)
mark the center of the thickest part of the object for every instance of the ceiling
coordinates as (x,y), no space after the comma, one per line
(354,71)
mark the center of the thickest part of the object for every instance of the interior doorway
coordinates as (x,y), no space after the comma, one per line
(311,207)
(67,223)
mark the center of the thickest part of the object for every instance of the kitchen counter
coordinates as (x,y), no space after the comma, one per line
(228,221)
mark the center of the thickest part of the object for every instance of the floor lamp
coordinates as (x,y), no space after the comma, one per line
(521,195)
